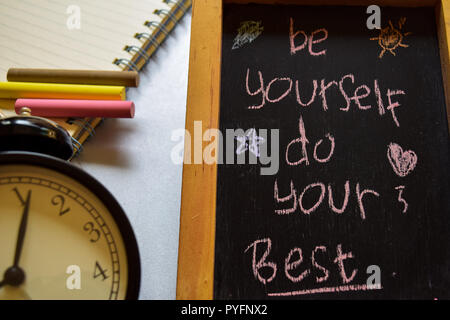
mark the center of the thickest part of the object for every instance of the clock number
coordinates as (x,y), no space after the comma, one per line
(22,201)
(98,271)
(59,200)
(89,227)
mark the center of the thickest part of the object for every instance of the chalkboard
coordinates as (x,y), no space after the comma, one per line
(360,204)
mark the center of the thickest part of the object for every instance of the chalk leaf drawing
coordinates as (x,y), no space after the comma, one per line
(249,141)
(247,32)
(390,38)
(403,162)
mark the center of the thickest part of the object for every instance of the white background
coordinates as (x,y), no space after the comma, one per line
(131,158)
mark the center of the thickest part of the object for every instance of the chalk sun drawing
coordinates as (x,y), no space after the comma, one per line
(247,32)
(403,162)
(390,38)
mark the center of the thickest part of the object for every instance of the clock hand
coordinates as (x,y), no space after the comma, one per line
(14,275)
(22,230)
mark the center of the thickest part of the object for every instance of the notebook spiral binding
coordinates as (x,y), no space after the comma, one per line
(141,55)
(152,40)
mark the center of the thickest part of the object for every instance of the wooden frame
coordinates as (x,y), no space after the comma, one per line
(198,202)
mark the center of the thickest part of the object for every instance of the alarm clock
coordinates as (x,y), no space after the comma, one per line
(62,234)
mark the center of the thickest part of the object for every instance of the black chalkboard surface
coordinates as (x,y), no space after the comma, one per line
(362,187)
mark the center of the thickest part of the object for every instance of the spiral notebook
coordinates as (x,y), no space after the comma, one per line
(83,34)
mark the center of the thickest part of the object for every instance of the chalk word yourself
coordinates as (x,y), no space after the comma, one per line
(354,97)
(322,35)
(247,32)
(256,142)
(402,162)
(296,274)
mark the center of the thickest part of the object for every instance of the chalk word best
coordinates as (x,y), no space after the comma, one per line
(296,274)
(252,142)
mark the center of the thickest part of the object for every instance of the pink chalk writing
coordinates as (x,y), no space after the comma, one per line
(311,41)
(341,88)
(306,39)
(259,91)
(293,265)
(330,153)
(400,198)
(345,288)
(294,261)
(402,162)
(394,105)
(340,262)
(359,195)
(262,261)
(344,202)
(318,202)
(313,96)
(325,271)
(360,93)
(291,197)
(323,89)
(282,95)
(303,140)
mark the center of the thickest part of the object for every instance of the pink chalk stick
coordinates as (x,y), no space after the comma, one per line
(62,108)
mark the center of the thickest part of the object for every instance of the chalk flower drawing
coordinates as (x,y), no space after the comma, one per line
(403,162)
(253,143)
(391,38)
(247,32)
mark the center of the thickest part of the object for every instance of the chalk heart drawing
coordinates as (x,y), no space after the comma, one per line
(247,32)
(403,162)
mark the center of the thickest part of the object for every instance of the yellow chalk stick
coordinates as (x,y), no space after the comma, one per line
(15,90)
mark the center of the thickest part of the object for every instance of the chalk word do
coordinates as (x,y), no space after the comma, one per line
(303,140)
(74,19)
(251,142)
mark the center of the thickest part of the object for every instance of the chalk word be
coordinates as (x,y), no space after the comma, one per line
(307,40)
(296,202)
(293,261)
(285,85)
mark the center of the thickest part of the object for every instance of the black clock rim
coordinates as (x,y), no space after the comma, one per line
(108,200)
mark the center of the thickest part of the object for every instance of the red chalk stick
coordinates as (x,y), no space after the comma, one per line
(59,108)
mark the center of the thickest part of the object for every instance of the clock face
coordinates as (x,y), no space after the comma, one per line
(76,242)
